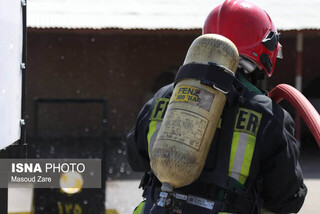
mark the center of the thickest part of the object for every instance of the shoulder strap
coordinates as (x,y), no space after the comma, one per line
(214,75)
(217,75)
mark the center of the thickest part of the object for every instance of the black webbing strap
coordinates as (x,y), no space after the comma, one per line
(214,75)
(219,175)
(211,73)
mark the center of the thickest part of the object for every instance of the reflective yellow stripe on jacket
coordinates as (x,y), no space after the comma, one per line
(156,118)
(154,127)
(225,213)
(139,208)
(243,143)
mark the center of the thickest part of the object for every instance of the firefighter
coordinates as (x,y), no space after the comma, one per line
(259,172)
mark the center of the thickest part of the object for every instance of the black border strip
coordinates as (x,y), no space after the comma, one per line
(23,70)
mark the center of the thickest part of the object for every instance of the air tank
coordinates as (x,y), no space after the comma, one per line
(194,110)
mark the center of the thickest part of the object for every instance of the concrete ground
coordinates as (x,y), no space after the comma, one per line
(123,195)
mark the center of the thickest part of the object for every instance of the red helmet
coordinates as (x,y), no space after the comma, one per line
(249,28)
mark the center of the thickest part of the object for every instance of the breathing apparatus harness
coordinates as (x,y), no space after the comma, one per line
(223,193)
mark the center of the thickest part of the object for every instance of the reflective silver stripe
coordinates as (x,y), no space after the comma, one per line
(238,159)
(154,135)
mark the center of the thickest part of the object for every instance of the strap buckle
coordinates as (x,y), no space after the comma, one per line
(219,89)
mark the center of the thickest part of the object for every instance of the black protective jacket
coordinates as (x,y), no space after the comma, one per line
(274,174)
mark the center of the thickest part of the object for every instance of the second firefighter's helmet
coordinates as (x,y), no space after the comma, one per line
(250,28)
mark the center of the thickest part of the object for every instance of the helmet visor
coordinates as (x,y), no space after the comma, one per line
(271,40)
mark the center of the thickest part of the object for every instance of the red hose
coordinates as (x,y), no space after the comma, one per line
(302,105)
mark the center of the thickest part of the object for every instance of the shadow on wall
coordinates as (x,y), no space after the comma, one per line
(165,78)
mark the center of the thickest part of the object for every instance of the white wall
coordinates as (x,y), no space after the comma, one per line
(10,72)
